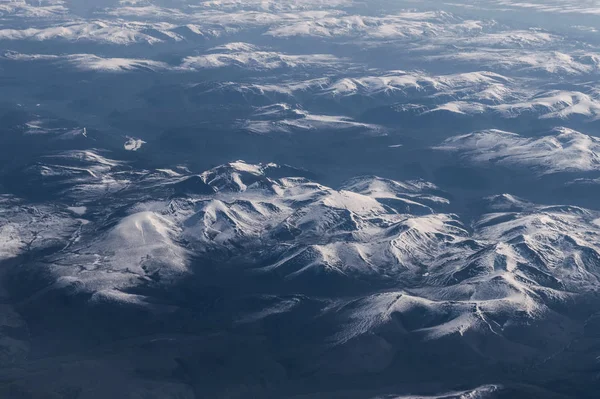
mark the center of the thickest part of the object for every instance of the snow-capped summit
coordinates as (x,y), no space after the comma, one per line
(506,203)
(236,176)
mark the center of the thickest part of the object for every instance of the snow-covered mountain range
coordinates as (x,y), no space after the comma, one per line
(299,199)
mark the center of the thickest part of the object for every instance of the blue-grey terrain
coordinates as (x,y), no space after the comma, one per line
(363,199)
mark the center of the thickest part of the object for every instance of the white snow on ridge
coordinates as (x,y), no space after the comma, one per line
(235,47)
(146,11)
(379,188)
(260,60)
(404,25)
(288,88)
(480,86)
(554,104)
(274,5)
(95,63)
(551,62)
(98,162)
(514,39)
(401,80)
(564,151)
(283,118)
(461,107)
(91,62)
(234,176)
(43,9)
(151,24)
(551,6)
(306,122)
(483,392)
(88,173)
(122,33)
